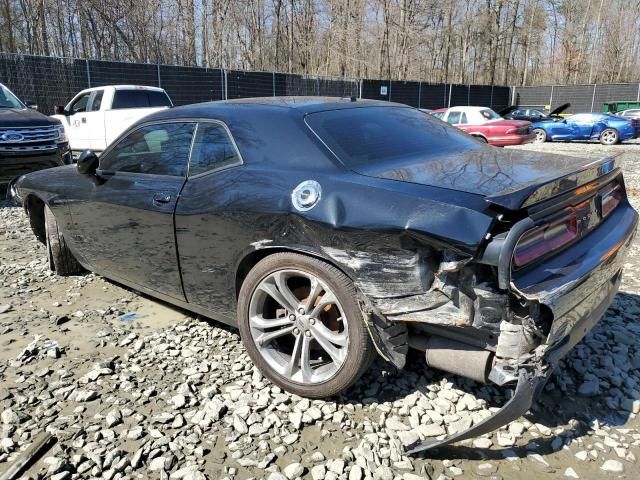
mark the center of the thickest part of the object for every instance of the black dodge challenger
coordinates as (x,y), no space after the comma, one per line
(330,231)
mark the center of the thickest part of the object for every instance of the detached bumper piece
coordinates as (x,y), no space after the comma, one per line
(529,386)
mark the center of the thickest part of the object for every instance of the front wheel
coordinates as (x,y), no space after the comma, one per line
(541,135)
(61,260)
(609,136)
(301,324)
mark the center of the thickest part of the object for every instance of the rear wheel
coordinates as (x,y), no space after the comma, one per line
(541,135)
(609,136)
(302,326)
(482,139)
(61,260)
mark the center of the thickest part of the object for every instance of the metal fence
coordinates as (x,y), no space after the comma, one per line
(50,81)
(583,98)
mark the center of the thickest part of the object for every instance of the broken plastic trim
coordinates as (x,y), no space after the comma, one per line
(530,384)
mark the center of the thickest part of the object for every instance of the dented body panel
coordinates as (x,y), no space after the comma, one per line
(427,241)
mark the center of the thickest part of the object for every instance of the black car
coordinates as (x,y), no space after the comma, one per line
(330,231)
(533,114)
(29,140)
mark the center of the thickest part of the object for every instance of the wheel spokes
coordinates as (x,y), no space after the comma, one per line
(305,359)
(327,299)
(266,337)
(339,339)
(334,352)
(314,292)
(272,289)
(261,323)
(292,364)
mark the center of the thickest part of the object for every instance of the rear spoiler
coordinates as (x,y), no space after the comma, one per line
(525,196)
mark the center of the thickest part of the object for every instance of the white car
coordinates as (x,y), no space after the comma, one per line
(632,113)
(97,116)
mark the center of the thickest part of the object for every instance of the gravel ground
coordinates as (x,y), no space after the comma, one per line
(164,394)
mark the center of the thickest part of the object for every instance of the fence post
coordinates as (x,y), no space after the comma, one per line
(513,95)
(638,97)
(491,102)
(360,89)
(551,99)
(419,93)
(389,96)
(88,73)
(226,92)
(273,81)
(318,86)
(449,102)
(593,97)
(158,70)
(469,95)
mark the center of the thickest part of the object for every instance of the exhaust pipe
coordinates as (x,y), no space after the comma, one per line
(455,357)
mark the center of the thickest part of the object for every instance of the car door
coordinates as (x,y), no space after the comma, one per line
(76,123)
(206,229)
(580,126)
(124,224)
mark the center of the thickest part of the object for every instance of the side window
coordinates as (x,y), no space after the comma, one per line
(463,118)
(161,149)
(453,118)
(97,101)
(130,99)
(80,103)
(212,149)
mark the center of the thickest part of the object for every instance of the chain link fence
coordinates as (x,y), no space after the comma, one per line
(583,98)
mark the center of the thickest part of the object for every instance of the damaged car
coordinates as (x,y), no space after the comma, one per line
(331,231)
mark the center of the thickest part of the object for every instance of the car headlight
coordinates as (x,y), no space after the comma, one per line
(62,135)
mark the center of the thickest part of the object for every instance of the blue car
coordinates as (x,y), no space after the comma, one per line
(608,129)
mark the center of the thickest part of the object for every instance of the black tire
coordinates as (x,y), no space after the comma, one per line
(541,135)
(481,138)
(61,260)
(609,136)
(361,351)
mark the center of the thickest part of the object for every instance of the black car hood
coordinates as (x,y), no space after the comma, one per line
(510,178)
(559,110)
(11,117)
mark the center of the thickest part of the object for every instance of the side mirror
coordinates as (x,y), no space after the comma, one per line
(31,104)
(59,110)
(87,163)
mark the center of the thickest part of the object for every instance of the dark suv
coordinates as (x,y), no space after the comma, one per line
(29,140)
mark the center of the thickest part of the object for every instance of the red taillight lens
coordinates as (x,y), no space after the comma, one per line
(610,200)
(545,239)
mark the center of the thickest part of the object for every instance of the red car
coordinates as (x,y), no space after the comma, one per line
(486,125)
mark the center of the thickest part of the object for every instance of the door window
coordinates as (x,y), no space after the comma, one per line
(453,118)
(463,118)
(80,103)
(161,149)
(140,99)
(213,149)
(97,101)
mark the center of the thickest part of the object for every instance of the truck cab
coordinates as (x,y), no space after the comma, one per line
(97,116)
(29,140)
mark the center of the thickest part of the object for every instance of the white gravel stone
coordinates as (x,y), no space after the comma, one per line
(613,466)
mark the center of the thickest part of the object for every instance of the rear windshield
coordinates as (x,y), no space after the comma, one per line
(377,135)
(140,99)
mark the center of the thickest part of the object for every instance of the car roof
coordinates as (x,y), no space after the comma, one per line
(468,109)
(124,87)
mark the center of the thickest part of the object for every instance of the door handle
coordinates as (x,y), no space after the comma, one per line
(161,198)
(84,119)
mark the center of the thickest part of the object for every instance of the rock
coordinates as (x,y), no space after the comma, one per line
(9,417)
(581,455)
(631,405)
(86,395)
(318,472)
(7,445)
(383,473)
(408,437)
(356,473)
(486,469)
(293,471)
(277,476)
(482,442)
(613,466)
(431,430)
(178,401)
(570,473)
(516,428)
(590,388)
(394,423)
(337,466)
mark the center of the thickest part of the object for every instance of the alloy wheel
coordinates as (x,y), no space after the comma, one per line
(609,137)
(298,326)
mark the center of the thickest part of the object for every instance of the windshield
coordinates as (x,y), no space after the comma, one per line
(374,136)
(9,100)
(489,114)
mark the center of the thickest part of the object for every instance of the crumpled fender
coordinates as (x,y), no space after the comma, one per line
(529,386)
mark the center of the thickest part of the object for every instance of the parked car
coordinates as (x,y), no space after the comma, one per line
(614,107)
(633,113)
(95,117)
(608,129)
(487,126)
(532,114)
(29,140)
(331,231)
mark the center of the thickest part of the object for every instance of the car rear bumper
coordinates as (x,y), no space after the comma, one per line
(578,286)
(13,166)
(508,140)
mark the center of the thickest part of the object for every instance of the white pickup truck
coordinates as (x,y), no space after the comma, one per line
(97,116)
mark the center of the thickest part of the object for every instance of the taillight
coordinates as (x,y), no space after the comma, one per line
(545,239)
(635,122)
(610,200)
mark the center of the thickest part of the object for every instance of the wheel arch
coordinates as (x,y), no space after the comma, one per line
(252,258)
(34,207)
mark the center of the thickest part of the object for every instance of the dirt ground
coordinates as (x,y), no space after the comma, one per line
(161,393)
